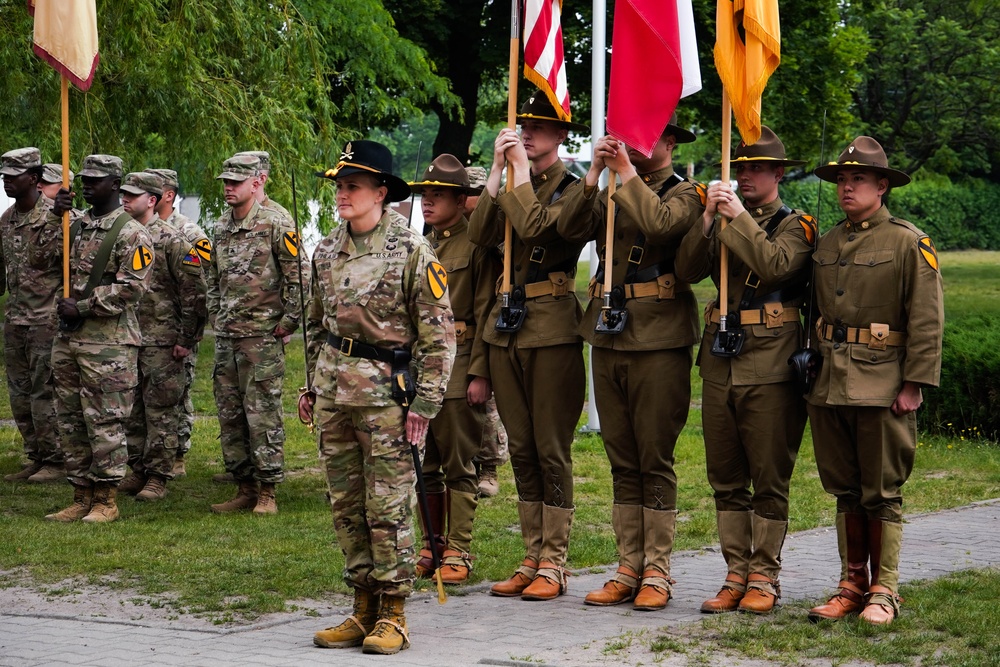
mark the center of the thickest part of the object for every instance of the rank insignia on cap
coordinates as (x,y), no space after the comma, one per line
(204,249)
(191,258)
(928,252)
(809,227)
(437,278)
(291,243)
(141,258)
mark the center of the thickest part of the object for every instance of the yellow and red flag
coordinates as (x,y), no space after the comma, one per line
(66,37)
(654,63)
(544,64)
(747,51)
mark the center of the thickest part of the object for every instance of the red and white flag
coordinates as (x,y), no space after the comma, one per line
(544,65)
(66,37)
(654,63)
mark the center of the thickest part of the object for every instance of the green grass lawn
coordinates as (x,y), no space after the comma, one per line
(237,567)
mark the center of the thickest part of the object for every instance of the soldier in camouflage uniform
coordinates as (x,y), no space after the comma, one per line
(265,172)
(51,179)
(95,354)
(253,293)
(197,237)
(493,451)
(377,287)
(29,321)
(171,315)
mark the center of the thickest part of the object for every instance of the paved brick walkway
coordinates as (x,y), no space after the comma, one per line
(476,629)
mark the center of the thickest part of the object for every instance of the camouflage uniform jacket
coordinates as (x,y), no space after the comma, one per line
(552,319)
(668,319)
(110,311)
(472,276)
(387,290)
(173,310)
(32,290)
(270,203)
(781,261)
(194,234)
(253,283)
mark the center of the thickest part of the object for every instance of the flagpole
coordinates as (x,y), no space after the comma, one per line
(609,237)
(727,130)
(65,182)
(515,52)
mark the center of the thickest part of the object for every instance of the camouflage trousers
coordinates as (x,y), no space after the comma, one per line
(493,450)
(247,381)
(152,428)
(94,387)
(370,477)
(28,354)
(187,405)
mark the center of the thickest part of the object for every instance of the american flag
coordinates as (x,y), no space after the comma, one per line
(544,65)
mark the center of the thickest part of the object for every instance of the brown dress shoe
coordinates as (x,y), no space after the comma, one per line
(613,592)
(760,596)
(882,607)
(549,583)
(456,566)
(728,599)
(513,587)
(848,600)
(654,592)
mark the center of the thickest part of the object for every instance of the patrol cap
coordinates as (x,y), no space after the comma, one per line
(369,157)
(445,171)
(863,153)
(102,166)
(139,182)
(263,156)
(477,178)
(766,149)
(52,173)
(169,177)
(240,168)
(538,107)
(20,160)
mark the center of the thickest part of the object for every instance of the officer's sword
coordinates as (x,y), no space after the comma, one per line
(302,297)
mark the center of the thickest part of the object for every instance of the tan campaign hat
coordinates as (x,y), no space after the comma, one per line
(102,166)
(445,171)
(538,107)
(767,149)
(240,168)
(863,153)
(20,160)
(139,182)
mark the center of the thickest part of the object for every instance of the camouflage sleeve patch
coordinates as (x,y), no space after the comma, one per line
(290,240)
(702,191)
(204,249)
(810,228)
(437,279)
(192,258)
(928,252)
(141,258)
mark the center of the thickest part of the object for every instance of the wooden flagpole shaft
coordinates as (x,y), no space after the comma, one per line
(515,54)
(609,237)
(727,130)
(65,182)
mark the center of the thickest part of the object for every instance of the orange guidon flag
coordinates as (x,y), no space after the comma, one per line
(747,51)
(66,37)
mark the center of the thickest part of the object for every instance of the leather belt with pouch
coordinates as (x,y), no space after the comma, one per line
(772,315)
(875,336)
(664,287)
(558,284)
(464,333)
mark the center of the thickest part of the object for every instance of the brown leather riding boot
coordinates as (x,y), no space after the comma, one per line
(852,542)
(763,590)
(437,503)
(736,544)
(550,580)
(627,523)
(659,527)
(882,602)
(530,514)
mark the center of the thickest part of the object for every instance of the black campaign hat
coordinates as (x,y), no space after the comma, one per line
(369,157)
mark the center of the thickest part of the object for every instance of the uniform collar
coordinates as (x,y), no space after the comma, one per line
(105,221)
(552,173)
(880,216)
(247,222)
(655,179)
(379,237)
(457,228)
(765,211)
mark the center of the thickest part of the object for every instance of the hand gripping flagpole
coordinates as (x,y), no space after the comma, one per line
(65,182)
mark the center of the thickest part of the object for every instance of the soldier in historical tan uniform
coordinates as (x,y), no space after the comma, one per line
(878,295)
(253,294)
(94,355)
(29,317)
(493,451)
(455,435)
(642,353)
(381,342)
(753,413)
(536,357)
(171,316)
(197,237)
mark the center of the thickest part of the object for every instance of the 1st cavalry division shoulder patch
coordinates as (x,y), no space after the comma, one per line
(809,227)
(291,240)
(204,248)
(928,252)
(141,258)
(437,278)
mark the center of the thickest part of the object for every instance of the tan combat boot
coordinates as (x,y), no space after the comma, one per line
(49,472)
(133,484)
(82,500)
(456,563)
(627,523)
(530,514)
(390,634)
(154,489)
(266,504)
(550,580)
(224,478)
(246,499)
(736,543)
(178,470)
(27,471)
(659,527)
(437,505)
(489,483)
(852,543)
(763,590)
(103,508)
(353,630)
(882,603)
